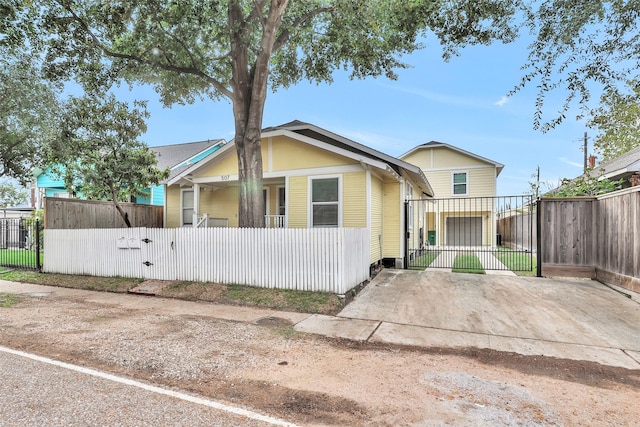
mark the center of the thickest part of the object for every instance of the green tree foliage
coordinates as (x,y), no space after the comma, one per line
(10,194)
(236,49)
(580,46)
(618,120)
(29,116)
(585,185)
(100,151)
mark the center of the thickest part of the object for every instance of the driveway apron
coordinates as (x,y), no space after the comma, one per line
(582,312)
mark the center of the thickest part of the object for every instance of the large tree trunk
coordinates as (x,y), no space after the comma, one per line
(249,85)
(248,147)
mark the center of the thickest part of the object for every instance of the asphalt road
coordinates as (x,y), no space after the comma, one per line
(42,392)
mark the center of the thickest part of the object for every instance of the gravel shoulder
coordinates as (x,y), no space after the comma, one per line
(311,380)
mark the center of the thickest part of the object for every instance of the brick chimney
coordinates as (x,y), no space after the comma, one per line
(592,162)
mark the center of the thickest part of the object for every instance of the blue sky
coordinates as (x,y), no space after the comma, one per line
(462,103)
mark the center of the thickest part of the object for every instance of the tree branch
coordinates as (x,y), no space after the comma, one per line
(167,67)
(285,34)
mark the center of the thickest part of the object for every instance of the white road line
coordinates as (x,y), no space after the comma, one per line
(200,401)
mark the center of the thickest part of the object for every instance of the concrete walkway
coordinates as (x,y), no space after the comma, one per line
(580,320)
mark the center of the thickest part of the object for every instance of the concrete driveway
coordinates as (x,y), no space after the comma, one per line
(573,319)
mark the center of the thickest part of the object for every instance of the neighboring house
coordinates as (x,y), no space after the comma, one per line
(312,178)
(625,167)
(465,186)
(175,157)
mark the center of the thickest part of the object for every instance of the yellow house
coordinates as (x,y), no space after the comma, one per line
(463,213)
(312,178)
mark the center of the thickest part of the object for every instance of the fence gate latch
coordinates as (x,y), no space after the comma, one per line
(148,264)
(147,240)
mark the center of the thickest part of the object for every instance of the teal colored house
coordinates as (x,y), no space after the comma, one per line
(175,157)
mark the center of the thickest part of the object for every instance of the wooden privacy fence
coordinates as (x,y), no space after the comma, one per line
(332,260)
(61,213)
(597,237)
(518,230)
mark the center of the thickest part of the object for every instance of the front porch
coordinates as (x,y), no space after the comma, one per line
(215,203)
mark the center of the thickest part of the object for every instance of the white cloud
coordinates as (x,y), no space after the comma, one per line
(502,101)
(569,162)
(435,97)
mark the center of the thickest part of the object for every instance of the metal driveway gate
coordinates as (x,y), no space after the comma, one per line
(471,233)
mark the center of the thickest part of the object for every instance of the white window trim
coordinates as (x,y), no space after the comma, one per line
(310,198)
(453,173)
(408,194)
(182,191)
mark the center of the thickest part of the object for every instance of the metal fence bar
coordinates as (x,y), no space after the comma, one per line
(20,244)
(475,234)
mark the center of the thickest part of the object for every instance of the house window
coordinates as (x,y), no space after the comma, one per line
(325,202)
(460,184)
(187,207)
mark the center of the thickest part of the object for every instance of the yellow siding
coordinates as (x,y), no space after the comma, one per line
(173,206)
(289,154)
(227,165)
(446,158)
(442,158)
(376,219)
(420,158)
(481,182)
(354,199)
(298,202)
(392,220)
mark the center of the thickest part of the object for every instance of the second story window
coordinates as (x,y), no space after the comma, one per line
(460,184)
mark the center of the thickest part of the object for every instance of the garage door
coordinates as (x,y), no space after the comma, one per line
(464,231)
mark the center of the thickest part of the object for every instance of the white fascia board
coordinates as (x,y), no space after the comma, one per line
(612,174)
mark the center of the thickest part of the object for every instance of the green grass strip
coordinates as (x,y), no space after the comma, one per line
(523,264)
(464,263)
(423,260)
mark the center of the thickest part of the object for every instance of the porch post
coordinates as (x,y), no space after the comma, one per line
(196,204)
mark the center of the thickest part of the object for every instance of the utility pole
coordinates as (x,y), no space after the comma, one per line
(585,152)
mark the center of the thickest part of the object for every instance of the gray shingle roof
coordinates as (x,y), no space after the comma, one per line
(620,165)
(171,155)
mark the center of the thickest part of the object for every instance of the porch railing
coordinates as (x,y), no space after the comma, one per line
(275,221)
(205,221)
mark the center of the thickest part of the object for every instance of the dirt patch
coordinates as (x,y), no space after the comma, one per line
(273,322)
(313,380)
(193,291)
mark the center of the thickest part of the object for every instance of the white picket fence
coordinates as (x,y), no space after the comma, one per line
(332,259)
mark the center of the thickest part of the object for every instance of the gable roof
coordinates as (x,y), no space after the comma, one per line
(437,144)
(315,135)
(171,156)
(312,131)
(625,164)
